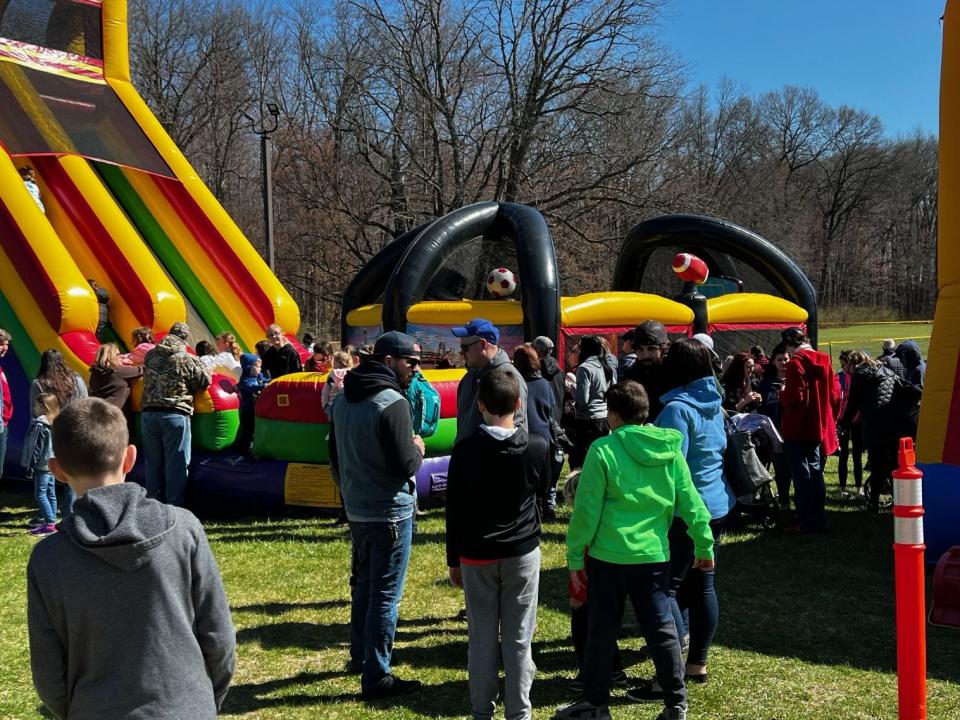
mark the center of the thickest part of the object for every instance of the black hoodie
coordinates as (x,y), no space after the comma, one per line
(551,372)
(127,614)
(492,489)
(371,444)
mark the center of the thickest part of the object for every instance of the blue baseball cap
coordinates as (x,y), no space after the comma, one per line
(481,328)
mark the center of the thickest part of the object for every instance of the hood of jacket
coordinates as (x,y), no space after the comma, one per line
(501,358)
(909,352)
(119,524)
(549,367)
(648,445)
(247,361)
(513,444)
(702,395)
(816,365)
(368,379)
(170,345)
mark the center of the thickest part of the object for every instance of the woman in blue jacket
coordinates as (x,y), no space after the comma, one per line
(694,408)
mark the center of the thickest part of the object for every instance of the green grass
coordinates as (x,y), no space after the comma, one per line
(869,337)
(806,633)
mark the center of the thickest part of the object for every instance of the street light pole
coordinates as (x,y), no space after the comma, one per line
(266,166)
(266,162)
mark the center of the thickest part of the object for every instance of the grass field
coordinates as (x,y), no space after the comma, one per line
(870,337)
(806,632)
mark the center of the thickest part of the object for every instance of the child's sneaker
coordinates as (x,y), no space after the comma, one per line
(44,529)
(674,713)
(583,710)
(648,691)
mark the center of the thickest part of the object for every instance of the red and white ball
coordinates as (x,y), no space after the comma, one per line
(501,282)
(690,268)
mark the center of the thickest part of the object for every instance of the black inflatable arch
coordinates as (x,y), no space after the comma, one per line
(536,259)
(708,237)
(368,284)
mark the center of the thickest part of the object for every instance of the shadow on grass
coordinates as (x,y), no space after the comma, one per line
(280,608)
(311,636)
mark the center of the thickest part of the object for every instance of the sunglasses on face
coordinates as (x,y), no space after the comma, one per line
(273,334)
(465,347)
(411,361)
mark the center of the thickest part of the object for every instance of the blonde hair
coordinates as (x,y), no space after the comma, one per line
(108,357)
(47,404)
(230,340)
(342,359)
(856,358)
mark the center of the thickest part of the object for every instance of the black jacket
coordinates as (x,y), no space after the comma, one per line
(281,361)
(654,381)
(492,489)
(551,372)
(872,390)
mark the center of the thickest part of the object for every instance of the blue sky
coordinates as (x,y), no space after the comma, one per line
(882,56)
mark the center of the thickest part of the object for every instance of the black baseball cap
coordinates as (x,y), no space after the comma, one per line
(649,333)
(396,344)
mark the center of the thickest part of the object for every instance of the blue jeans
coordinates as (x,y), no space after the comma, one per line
(381,553)
(45,492)
(693,594)
(166,455)
(806,466)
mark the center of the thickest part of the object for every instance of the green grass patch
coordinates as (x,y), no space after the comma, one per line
(870,337)
(806,633)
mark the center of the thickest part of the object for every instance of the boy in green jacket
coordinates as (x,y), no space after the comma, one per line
(633,483)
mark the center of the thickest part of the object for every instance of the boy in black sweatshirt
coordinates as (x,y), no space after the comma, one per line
(493,544)
(125,607)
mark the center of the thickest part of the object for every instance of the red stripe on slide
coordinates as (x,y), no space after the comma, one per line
(29,268)
(83,344)
(235,273)
(120,273)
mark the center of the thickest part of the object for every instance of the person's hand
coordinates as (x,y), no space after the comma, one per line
(418,441)
(578,581)
(756,397)
(703,564)
(456,576)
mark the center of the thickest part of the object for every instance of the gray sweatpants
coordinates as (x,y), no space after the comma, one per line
(501,604)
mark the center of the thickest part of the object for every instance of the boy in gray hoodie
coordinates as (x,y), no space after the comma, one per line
(126,611)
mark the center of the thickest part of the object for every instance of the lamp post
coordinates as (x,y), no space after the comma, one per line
(266,165)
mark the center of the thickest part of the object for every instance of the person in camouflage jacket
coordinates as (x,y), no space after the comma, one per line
(171,377)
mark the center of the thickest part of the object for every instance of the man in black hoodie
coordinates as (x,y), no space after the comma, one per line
(125,606)
(375,456)
(650,343)
(493,544)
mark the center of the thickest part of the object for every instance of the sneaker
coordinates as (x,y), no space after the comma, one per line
(354,667)
(648,691)
(674,713)
(34,521)
(619,679)
(582,710)
(390,686)
(44,529)
(576,684)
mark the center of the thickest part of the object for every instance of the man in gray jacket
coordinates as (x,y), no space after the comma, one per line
(481,354)
(375,455)
(126,611)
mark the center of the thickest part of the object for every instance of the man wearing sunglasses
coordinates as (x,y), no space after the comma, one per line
(481,353)
(375,456)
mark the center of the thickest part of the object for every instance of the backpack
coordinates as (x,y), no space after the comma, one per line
(424,406)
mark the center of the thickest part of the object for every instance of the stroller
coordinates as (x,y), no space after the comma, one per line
(746,461)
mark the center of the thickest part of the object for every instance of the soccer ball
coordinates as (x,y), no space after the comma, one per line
(501,282)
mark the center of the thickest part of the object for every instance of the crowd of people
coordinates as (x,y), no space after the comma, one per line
(644,431)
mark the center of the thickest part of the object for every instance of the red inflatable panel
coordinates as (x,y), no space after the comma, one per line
(294,398)
(448,397)
(222,393)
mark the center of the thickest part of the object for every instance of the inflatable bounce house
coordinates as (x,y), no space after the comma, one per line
(459,267)
(938,441)
(123,207)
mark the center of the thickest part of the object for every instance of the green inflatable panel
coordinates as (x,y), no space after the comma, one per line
(215,431)
(292,441)
(441,442)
